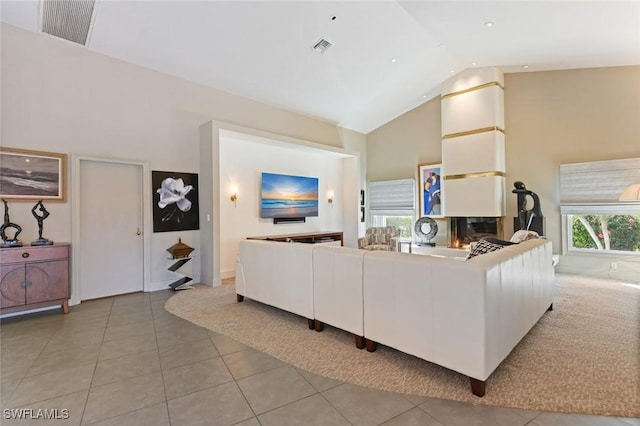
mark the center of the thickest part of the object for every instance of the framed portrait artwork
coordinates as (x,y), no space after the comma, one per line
(175,201)
(429,190)
(32,175)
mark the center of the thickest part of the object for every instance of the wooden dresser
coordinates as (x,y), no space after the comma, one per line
(34,277)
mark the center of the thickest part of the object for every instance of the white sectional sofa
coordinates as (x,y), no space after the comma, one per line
(463,315)
(278,274)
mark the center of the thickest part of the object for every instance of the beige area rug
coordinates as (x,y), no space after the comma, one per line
(582,357)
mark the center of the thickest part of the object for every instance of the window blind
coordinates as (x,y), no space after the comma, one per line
(595,187)
(392,197)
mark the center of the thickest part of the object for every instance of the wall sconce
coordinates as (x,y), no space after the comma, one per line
(632,193)
(234,196)
(330,198)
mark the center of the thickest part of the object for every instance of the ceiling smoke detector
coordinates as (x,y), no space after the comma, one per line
(322,45)
(68,19)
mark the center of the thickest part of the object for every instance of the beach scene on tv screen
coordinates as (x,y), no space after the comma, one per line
(285,196)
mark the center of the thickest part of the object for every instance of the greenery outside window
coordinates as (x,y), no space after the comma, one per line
(404,223)
(604,233)
(600,201)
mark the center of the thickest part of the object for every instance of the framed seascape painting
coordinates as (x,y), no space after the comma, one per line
(286,196)
(430,193)
(32,175)
(175,201)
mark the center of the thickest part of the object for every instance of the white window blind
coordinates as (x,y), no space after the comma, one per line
(595,187)
(392,197)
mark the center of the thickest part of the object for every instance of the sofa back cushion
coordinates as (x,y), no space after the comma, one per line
(337,287)
(278,274)
(382,234)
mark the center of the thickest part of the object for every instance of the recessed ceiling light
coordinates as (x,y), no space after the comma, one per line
(394,60)
(489,24)
(452,71)
(473,64)
(525,67)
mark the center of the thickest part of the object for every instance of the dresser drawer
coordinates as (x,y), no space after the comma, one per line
(34,253)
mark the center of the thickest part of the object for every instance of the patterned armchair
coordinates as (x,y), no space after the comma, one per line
(380,238)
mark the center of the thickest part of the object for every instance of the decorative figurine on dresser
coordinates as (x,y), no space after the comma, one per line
(40,217)
(32,277)
(6,241)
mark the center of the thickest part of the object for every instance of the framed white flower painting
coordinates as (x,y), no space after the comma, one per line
(175,201)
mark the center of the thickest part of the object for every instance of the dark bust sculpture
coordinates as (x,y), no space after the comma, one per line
(532,219)
(40,217)
(6,241)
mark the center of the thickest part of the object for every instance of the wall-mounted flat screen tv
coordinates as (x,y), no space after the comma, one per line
(285,196)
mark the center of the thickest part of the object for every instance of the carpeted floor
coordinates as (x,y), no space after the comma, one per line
(582,357)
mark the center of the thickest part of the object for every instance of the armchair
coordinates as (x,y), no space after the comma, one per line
(380,238)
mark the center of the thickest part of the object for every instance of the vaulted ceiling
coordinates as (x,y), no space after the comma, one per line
(385,58)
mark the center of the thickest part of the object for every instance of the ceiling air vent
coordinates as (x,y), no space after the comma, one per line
(322,45)
(68,19)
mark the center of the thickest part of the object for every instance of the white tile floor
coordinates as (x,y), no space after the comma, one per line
(126,361)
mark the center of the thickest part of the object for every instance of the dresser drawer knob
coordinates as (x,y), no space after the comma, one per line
(25,255)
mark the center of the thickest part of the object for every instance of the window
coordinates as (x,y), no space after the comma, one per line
(392,203)
(606,233)
(404,223)
(599,219)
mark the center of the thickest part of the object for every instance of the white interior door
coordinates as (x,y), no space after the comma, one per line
(111,224)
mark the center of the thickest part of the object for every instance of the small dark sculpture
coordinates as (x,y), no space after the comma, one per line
(40,218)
(532,219)
(9,242)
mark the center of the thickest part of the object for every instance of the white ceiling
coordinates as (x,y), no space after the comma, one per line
(262,50)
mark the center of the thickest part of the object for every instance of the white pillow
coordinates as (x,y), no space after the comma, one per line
(523,235)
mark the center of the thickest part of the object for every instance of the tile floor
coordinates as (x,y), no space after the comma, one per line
(126,361)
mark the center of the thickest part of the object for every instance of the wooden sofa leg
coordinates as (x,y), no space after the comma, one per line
(319,326)
(312,324)
(477,387)
(239,298)
(550,308)
(371,345)
(360,341)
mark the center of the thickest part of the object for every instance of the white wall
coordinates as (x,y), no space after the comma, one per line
(60,97)
(551,118)
(241,165)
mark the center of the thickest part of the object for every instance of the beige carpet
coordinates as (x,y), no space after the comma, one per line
(582,357)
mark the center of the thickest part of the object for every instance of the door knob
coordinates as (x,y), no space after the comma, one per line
(138,231)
